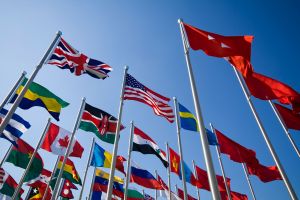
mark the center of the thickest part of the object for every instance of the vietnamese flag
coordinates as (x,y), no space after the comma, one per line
(235,49)
(174,162)
(264,173)
(291,119)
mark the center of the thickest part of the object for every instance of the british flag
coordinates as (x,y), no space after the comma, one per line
(66,57)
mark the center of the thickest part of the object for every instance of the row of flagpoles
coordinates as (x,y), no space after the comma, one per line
(129,84)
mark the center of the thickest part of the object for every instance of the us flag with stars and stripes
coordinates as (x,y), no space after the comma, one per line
(134,90)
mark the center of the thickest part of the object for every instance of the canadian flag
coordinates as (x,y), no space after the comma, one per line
(57,140)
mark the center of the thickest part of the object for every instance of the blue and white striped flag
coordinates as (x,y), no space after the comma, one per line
(15,127)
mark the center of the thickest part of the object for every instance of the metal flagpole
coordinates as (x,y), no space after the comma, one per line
(55,191)
(176,190)
(28,193)
(156,175)
(13,90)
(92,185)
(51,177)
(115,150)
(129,160)
(169,173)
(87,167)
(284,127)
(6,155)
(196,175)
(221,164)
(266,137)
(33,75)
(248,180)
(180,149)
(205,147)
(31,160)
(61,185)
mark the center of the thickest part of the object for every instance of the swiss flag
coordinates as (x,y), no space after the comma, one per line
(57,140)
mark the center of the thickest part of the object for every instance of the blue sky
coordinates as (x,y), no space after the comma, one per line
(145,36)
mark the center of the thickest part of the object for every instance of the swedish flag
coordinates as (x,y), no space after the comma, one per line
(187,120)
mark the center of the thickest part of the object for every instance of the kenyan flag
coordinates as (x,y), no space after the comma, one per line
(8,184)
(101,123)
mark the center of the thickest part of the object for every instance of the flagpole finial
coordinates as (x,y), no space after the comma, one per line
(83,99)
(59,33)
(131,122)
(126,67)
(174,98)
(180,21)
(24,73)
(49,120)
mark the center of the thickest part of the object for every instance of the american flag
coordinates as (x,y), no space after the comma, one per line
(66,57)
(148,197)
(134,90)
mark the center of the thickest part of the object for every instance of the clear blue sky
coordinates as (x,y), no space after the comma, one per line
(145,36)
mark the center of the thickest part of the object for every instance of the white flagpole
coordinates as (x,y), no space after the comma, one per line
(55,191)
(221,165)
(87,167)
(205,147)
(92,185)
(196,175)
(180,149)
(284,128)
(156,175)
(28,193)
(168,169)
(248,180)
(6,155)
(31,161)
(266,137)
(26,86)
(13,90)
(115,150)
(129,160)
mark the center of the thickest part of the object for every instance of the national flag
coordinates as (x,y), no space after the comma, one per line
(264,173)
(134,90)
(66,192)
(148,197)
(144,178)
(165,192)
(134,194)
(236,49)
(291,119)
(37,95)
(8,185)
(189,122)
(266,88)
(66,57)
(69,172)
(96,195)
(103,124)
(144,144)
(237,196)
(57,140)
(40,183)
(36,193)
(181,195)
(102,158)
(15,127)
(105,175)
(20,157)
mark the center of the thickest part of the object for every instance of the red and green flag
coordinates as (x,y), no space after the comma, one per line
(8,185)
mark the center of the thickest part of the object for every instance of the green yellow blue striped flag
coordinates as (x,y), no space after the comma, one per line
(37,95)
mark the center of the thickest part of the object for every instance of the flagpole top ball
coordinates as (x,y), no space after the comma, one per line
(180,20)
(59,33)
(174,98)
(126,67)
(24,72)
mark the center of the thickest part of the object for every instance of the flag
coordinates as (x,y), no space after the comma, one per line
(236,49)
(69,172)
(189,122)
(134,194)
(37,95)
(40,183)
(144,178)
(8,185)
(264,173)
(238,196)
(176,168)
(66,192)
(148,197)
(57,140)
(181,195)
(101,123)
(136,91)
(66,57)
(105,175)
(36,193)
(144,144)
(15,127)
(96,195)
(291,119)
(102,158)
(20,157)
(266,88)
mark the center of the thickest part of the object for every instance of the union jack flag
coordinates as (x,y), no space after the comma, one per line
(66,57)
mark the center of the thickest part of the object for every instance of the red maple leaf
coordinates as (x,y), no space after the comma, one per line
(63,142)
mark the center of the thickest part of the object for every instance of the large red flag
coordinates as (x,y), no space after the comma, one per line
(174,162)
(291,119)
(181,195)
(264,173)
(236,49)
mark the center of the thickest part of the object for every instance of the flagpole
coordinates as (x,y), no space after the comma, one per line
(221,164)
(92,185)
(61,185)
(266,137)
(26,86)
(87,167)
(55,191)
(115,150)
(180,148)
(28,193)
(6,155)
(176,190)
(196,175)
(205,147)
(51,177)
(169,173)
(285,128)
(13,90)
(129,160)
(248,180)
(156,176)
(31,160)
